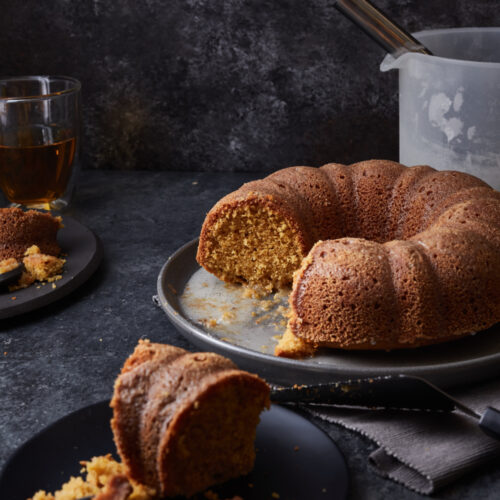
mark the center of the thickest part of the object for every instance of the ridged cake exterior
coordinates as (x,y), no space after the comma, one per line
(19,230)
(183,422)
(385,256)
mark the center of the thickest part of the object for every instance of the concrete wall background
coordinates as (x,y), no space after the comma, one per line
(222,84)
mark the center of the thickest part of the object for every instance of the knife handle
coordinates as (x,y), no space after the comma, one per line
(490,422)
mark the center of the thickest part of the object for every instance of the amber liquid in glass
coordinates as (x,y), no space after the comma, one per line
(35,174)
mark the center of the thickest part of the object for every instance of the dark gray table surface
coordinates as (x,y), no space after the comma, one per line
(67,355)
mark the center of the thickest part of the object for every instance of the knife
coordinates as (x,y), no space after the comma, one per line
(387,392)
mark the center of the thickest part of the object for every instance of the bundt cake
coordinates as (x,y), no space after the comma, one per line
(385,256)
(20,230)
(183,422)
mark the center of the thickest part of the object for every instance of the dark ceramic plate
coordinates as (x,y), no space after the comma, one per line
(295,459)
(189,296)
(84,253)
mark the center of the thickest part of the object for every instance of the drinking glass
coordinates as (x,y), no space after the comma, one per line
(39,140)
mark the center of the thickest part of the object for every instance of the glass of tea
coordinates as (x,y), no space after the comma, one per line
(39,140)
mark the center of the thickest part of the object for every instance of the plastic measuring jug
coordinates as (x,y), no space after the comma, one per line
(449,103)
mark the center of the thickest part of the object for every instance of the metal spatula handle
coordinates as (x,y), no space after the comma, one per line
(490,422)
(378,26)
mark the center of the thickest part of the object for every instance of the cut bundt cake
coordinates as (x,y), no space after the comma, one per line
(185,421)
(20,230)
(384,256)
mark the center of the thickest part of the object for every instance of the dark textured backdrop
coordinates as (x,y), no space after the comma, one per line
(222,84)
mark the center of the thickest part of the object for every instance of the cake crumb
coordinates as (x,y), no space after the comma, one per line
(211,495)
(228,316)
(254,293)
(100,471)
(291,346)
(39,267)
(7,265)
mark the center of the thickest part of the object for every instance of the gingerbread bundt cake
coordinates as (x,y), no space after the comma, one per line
(385,256)
(20,230)
(183,422)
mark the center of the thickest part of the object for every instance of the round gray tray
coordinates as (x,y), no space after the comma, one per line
(216,316)
(83,251)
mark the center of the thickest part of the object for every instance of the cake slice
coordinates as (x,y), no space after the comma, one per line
(185,421)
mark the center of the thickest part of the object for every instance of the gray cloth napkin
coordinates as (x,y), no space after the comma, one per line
(423,450)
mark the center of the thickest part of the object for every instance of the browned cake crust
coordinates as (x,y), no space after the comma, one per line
(19,230)
(396,256)
(185,421)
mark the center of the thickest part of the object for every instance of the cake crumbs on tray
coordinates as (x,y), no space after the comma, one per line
(38,267)
(210,323)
